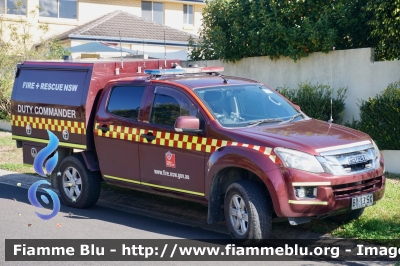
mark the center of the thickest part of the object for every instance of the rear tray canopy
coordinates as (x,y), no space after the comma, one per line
(59,96)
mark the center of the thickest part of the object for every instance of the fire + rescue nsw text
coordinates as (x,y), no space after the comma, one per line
(49,86)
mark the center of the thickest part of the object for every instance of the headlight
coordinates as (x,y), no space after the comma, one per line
(299,160)
(377,152)
(377,157)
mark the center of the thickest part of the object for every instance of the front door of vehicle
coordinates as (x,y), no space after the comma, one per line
(168,160)
(115,134)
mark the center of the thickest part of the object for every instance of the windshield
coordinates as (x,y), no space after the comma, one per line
(247,105)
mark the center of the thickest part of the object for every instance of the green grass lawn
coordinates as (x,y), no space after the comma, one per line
(11,156)
(379,222)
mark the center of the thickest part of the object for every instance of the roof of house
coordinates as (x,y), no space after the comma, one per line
(129,25)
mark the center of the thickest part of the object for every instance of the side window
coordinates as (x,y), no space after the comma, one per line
(153,11)
(188,14)
(125,101)
(168,105)
(13,7)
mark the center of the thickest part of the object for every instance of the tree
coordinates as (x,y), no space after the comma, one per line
(385,28)
(234,29)
(16,44)
(350,20)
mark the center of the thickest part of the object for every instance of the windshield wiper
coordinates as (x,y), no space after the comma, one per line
(293,117)
(270,120)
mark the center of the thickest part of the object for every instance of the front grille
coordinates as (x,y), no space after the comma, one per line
(350,161)
(357,188)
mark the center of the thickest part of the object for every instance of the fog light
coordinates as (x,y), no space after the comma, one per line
(301,193)
(306,192)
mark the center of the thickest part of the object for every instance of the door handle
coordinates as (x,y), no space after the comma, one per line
(103,128)
(149,136)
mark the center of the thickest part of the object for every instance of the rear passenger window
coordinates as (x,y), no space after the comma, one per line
(125,101)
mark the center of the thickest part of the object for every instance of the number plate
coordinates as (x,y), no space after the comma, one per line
(357,159)
(362,201)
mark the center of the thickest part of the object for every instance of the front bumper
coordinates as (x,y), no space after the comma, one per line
(334,193)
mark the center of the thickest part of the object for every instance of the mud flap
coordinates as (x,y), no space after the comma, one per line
(299,220)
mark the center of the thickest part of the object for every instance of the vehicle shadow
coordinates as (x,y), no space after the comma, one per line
(137,218)
(118,208)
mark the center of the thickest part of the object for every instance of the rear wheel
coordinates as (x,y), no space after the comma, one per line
(347,216)
(78,186)
(248,213)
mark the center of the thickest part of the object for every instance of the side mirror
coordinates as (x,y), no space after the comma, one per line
(187,124)
(297,107)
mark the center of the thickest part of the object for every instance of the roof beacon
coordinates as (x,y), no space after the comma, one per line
(191,70)
(215,69)
(160,72)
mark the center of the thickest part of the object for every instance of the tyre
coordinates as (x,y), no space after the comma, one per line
(248,213)
(79,187)
(347,216)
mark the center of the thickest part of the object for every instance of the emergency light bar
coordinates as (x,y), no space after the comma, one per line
(164,71)
(194,70)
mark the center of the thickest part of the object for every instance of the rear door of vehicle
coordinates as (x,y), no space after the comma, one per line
(49,97)
(170,160)
(115,132)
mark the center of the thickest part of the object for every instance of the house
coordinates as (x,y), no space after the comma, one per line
(136,35)
(64,15)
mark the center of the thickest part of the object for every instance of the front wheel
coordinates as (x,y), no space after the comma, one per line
(248,213)
(78,186)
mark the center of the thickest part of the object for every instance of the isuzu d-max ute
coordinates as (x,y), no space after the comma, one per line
(231,143)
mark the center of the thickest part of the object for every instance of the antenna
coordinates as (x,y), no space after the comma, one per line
(165,53)
(331,119)
(144,62)
(225,80)
(120,47)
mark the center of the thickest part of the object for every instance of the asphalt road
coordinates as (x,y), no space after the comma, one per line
(18,221)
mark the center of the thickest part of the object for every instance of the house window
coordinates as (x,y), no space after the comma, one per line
(13,7)
(188,14)
(59,8)
(153,11)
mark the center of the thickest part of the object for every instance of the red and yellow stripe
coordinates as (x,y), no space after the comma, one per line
(174,140)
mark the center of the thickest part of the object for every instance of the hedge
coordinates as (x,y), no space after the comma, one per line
(380,117)
(315,100)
